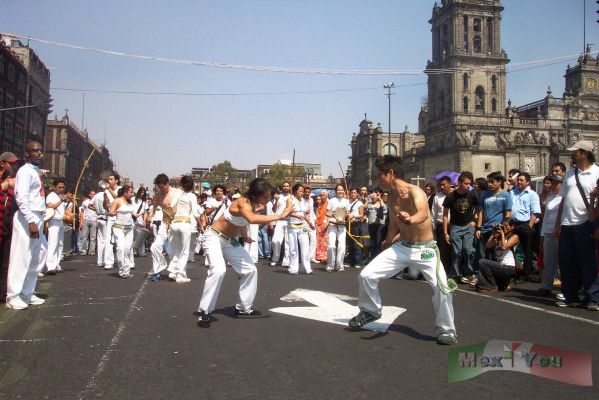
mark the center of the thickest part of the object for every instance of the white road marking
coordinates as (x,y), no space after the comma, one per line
(331,309)
(515,303)
(112,346)
(22,340)
(290,298)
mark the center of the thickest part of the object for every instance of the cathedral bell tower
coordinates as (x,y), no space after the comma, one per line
(467,73)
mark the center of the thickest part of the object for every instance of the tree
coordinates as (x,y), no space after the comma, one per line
(279,173)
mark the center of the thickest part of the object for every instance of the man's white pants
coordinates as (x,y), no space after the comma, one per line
(179,238)
(219,253)
(107,248)
(336,251)
(419,259)
(312,237)
(55,244)
(192,245)
(88,245)
(26,255)
(278,237)
(298,241)
(101,230)
(124,250)
(158,260)
(252,248)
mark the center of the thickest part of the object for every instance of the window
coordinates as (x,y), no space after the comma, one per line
(476,25)
(465,81)
(477,44)
(441,104)
(479,99)
(389,149)
(466,104)
(494,83)
(445,40)
(494,105)
(490,34)
(465,33)
(487,166)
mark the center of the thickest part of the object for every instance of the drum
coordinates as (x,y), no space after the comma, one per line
(139,236)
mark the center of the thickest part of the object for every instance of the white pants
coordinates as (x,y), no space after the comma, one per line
(198,242)
(101,231)
(219,253)
(179,237)
(278,237)
(89,230)
(193,239)
(550,260)
(141,249)
(26,257)
(419,259)
(252,248)
(312,237)
(336,251)
(298,242)
(107,251)
(158,260)
(124,249)
(55,244)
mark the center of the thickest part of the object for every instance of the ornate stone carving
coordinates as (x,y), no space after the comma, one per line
(530,137)
(590,114)
(530,165)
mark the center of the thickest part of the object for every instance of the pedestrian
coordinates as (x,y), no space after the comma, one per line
(308,203)
(139,202)
(416,250)
(109,195)
(279,236)
(123,210)
(549,242)
(374,215)
(221,244)
(89,226)
(445,250)
(355,218)
(321,203)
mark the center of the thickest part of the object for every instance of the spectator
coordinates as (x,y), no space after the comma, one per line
(374,215)
(558,168)
(429,190)
(437,218)
(549,243)
(356,215)
(526,209)
(481,185)
(459,230)
(577,251)
(512,177)
(497,275)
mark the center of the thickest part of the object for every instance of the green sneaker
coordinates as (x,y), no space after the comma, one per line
(446,339)
(363,318)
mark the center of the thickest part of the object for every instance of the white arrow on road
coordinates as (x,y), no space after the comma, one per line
(329,308)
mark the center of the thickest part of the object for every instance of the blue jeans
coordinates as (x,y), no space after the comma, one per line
(462,241)
(263,243)
(578,262)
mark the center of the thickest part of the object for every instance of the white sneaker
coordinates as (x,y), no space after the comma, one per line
(273,263)
(181,279)
(329,269)
(108,266)
(341,269)
(40,274)
(16,304)
(172,276)
(36,301)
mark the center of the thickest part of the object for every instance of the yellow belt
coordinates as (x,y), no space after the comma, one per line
(123,227)
(181,219)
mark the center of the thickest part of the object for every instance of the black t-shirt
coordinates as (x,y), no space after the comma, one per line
(461,206)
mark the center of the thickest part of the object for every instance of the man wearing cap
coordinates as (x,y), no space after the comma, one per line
(6,159)
(577,250)
(29,244)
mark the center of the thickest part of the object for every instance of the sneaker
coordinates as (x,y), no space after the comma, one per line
(100,265)
(125,276)
(154,277)
(464,279)
(16,304)
(363,318)
(358,266)
(446,339)
(341,269)
(562,304)
(273,263)
(36,301)
(172,276)
(544,293)
(591,306)
(181,279)
(40,274)
(249,314)
(472,280)
(329,269)
(108,266)
(560,296)
(204,320)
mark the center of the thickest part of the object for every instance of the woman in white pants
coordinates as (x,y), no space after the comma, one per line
(221,246)
(122,229)
(140,221)
(337,211)
(56,201)
(297,232)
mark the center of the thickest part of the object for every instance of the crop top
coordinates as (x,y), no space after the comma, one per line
(238,221)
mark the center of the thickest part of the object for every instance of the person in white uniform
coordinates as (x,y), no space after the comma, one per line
(97,205)
(140,222)
(28,246)
(308,203)
(123,211)
(337,212)
(90,226)
(222,246)
(297,232)
(110,194)
(279,235)
(56,201)
(409,243)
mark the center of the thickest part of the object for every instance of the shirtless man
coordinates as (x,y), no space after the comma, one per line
(166,198)
(409,243)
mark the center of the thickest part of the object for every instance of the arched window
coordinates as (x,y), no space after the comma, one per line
(465,103)
(479,99)
(494,105)
(389,149)
(466,81)
(494,83)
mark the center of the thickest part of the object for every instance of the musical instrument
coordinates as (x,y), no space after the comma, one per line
(139,236)
(339,216)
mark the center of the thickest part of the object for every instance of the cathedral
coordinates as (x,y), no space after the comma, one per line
(466,124)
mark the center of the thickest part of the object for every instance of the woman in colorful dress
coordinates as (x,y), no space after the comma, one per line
(321,203)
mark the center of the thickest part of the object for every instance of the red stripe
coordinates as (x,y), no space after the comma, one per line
(575,367)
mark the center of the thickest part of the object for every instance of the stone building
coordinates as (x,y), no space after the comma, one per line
(13,88)
(36,87)
(66,148)
(466,124)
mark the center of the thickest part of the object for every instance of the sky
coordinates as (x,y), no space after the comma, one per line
(149,134)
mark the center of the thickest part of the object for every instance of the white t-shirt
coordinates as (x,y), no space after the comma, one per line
(354,206)
(98,202)
(335,203)
(53,198)
(574,211)
(505,257)
(281,203)
(550,215)
(139,210)
(309,205)
(437,209)
(298,208)
(157,214)
(88,214)
(214,204)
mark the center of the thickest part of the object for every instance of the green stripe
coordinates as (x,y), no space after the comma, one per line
(458,368)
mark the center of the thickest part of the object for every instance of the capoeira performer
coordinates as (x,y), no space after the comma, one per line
(56,201)
(90,226)
(123,210)
(337,212)
(140,222)
(280,233)
(97,205)
(215,207)
(308,203)
(409,243)
(28,247)
(297,232)
(222,246)
(110,194)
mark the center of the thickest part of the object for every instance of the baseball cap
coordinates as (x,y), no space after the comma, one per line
(586,145)
(7,156)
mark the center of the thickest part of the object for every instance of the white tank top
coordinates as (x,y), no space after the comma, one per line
(238,221)
(124,214)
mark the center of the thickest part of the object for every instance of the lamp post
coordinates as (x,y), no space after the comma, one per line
(389,86)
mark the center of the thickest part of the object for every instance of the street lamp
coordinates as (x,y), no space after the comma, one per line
(389,86)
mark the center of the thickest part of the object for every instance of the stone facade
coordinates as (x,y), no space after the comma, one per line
(13,89)
(466,124)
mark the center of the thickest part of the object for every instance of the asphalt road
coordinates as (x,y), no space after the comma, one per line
(102,337)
